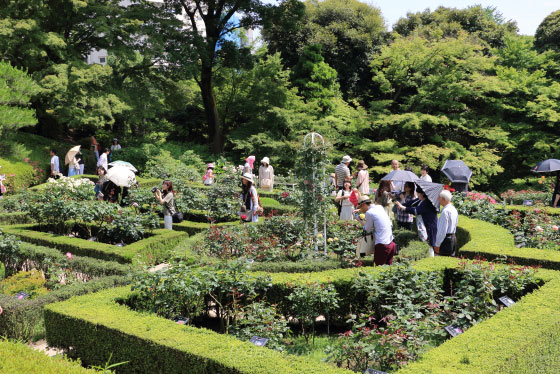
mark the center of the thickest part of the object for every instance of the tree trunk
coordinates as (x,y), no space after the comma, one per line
(215,131)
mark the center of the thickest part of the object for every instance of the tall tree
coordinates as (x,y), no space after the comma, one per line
(349,31)
(485,23)
(435,102)
(16,90)
(548,32)
(210,24)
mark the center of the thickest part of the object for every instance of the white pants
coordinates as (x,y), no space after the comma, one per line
(82,169)
(432,253)
(168,222)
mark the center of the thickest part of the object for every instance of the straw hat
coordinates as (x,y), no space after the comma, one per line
(364,199)
(247,176)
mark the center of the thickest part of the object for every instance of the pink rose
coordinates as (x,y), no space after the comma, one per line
(554,228)
(26,159)
(1,310)
(135,204)
(12,175)
(69,255)
(539,229)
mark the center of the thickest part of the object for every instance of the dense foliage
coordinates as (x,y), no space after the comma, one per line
(447,83)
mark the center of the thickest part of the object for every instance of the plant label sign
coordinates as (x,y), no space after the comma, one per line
(182,320)
(258,341)
(506,301)
(528,202)
(453,330)
(21,295)
(371,371)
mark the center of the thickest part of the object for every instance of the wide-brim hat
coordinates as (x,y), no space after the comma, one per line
(247,176)
(346,159)
(210,165)
(266,160)
(364,199)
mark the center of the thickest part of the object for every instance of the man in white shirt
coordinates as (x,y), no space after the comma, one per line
(377,220)
(446,242)
(55,164)
(103,159)
(342,172)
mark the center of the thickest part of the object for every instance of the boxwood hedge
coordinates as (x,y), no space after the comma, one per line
(16,358)
(150,250)
(14,218)
(491,241)
(98,325)
(23,319)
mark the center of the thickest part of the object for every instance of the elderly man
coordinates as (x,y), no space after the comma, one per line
(446,243)
(377,221)
(342,172)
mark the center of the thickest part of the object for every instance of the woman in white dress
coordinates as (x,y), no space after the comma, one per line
(343,198)
(266,175)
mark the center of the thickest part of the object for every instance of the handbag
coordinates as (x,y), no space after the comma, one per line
(266,183)
(177,216)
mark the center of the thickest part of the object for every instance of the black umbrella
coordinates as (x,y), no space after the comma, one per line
(400,176)
(457,171)
(549,165)
(432,191)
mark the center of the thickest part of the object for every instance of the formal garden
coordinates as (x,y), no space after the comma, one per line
(183,92)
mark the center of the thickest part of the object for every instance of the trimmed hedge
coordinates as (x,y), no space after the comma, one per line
(42,257)
(509,342)
(23,319)
(150,250)
(100,324)
(97,326)
(490,241)
(16,358)
(15,218)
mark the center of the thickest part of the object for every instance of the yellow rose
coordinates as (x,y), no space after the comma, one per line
(335,239)
(330,240)
(540,181)
(319,235)
(362,216)
(543,177)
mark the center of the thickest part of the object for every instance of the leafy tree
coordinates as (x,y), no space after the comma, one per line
(16,90)
(348,30)
(211,23)
(485,23)
(51,40)
(548,32)
(316,80)
(433,104)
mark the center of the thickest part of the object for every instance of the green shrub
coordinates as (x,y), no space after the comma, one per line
(151,250)
(31,282)
(16,358)
(100,324)
(23,319)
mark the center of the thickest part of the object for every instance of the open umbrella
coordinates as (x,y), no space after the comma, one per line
(549,165)
(121,176)
(71,153)
(432,191)
(125,164)
(457,171)
(400,176)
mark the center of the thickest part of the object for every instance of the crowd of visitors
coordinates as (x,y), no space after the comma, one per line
(394,201)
